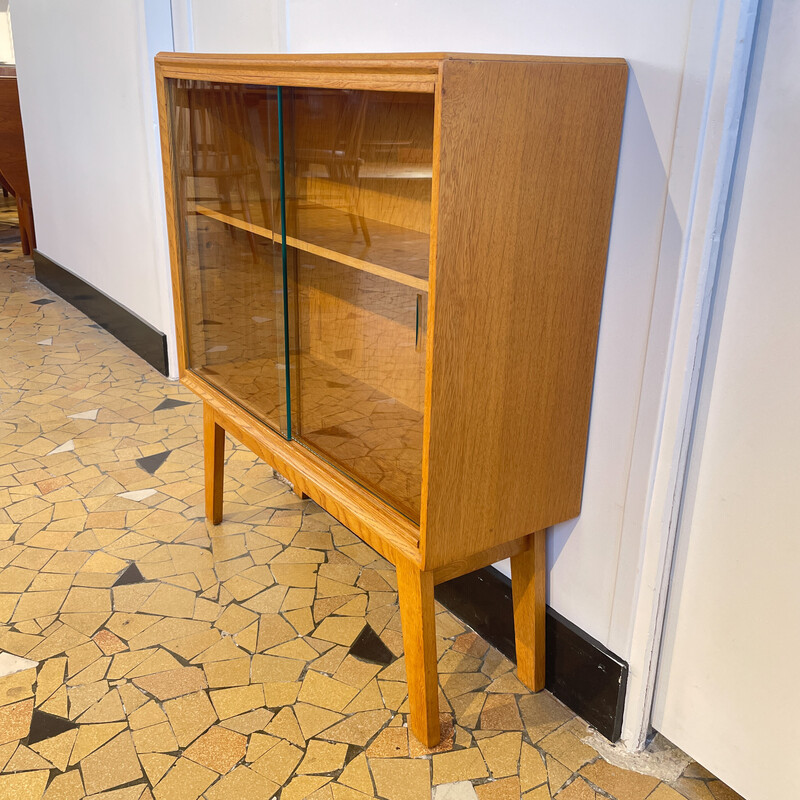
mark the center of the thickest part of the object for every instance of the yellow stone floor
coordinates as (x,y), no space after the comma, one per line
(144,653)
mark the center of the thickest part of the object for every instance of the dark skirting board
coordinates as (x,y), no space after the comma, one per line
(581,672)
(141,337)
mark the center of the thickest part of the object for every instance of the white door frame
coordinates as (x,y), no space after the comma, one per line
(713,93)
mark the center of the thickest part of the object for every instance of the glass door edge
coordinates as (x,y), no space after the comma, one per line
(286,348)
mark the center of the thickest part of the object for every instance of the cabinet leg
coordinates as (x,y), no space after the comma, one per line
(25,226)
(415,594)
(528,576)
(214,457)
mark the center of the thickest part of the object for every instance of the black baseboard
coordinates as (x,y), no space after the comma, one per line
(130,329)
(581,672)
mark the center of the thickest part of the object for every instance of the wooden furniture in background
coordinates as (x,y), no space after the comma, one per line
(13,165)
(394,299)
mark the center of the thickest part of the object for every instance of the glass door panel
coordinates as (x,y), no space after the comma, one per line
(225,153)
(358,196)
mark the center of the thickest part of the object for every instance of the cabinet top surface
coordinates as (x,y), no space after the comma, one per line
(426,62)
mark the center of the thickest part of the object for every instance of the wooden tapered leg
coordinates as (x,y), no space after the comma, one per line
(214,456)
(528,576)
(415,595)
(26,235)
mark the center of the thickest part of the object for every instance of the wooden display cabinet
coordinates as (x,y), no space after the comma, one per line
(387,275)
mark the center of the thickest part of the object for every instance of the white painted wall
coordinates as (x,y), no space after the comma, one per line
(706,136)
(593,569)
(234,26)
(6,42)
(88,107)
(727,683)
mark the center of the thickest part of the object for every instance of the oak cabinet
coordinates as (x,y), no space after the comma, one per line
(387,275)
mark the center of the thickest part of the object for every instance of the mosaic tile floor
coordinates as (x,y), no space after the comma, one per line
(144,654)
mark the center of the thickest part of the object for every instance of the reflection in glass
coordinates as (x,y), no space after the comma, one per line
(227,179)
(358,171)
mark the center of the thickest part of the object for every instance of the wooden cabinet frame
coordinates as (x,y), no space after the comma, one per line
(524,167)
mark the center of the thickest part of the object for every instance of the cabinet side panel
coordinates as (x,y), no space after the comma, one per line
(528,167)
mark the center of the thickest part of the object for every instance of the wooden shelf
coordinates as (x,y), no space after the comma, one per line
(378,171)
(394,253)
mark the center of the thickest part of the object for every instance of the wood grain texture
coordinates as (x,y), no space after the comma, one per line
(13,162)
(462,566)
(381,527)
(400,72)
(526,174)
(415,596)
(373,62)
(273,75)
(528,590)
(214,464)
(27,231)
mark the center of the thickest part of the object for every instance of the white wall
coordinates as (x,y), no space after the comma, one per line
(85,72)
(234,26)
(727,683)
(593,570)
(6,42)
(712,98)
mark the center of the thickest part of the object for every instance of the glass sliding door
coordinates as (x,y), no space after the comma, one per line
(225,152)
(348,174)
(358,168)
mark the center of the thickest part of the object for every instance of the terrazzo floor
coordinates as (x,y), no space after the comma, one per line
(145,654)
